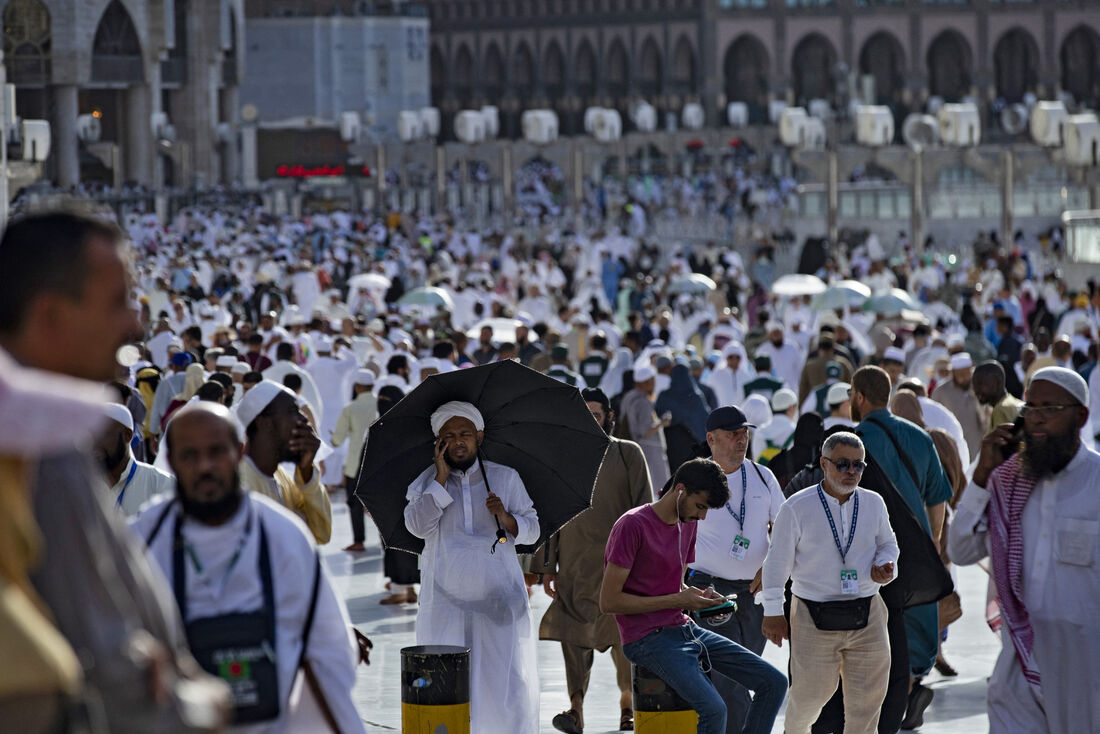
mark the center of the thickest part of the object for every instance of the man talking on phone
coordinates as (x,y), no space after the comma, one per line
(277,432)
(472,592)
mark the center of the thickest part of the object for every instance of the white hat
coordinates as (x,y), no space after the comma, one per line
(961,361)
(773,325)
(226,360)
(783,399)
(259,397)
(1066,379)
(732,348)
(322,345)
(955,340)
(120,414)
(894,354)
(456,409)
(241,368)
(644,373)
(364,377)
(838,393)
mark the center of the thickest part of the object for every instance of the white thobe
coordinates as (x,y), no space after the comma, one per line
(138,484)
(222,587)
(333,379)
(476,599)
(787,361)
(729,385)
(1061,588)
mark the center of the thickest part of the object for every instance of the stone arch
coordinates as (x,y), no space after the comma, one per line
(523,70)
(650,68)
(585,70)
(745,67)
(116,49)
(553,70)
(812,65)
(1015,64)
(492,73)
(27,36)
(462,74)
(1080,63)
(883,58)
(618,66)
(949,66)
(437,69)
(683,67)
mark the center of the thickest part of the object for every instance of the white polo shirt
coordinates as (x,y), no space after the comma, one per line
(715,539)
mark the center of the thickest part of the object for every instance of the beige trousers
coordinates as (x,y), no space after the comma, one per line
(819,658)
(578,666)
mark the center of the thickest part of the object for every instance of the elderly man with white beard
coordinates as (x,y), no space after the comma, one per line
(469,596)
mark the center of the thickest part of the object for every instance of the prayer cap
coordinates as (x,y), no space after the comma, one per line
(120,414)
(734,347)
(226,360)
(644,373)
(241,368)
(1066,379)
(364,377)
(961,361)
(323,345)
(894,354)
(258,398)
(784,399)
(838,393)
(456,409)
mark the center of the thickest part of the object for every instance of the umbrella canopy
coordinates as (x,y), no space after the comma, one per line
(891,303)
(798,284)
(374,281)
(691,283)
(843,294)
(504,330)
(427,296)
(534,424)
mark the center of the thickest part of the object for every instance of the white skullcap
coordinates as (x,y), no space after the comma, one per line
(734,347)
(1066,379)
(226,360)
(259,397)
(838,393)
(961,361)
(644,373)
(322,344)
(364,377)
(456,409)
(955,340)
(773,325)
(783,399)
(120,414)
(894,354)
(241,368)
(429,363)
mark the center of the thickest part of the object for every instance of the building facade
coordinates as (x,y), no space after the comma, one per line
(572,54)
(160,75)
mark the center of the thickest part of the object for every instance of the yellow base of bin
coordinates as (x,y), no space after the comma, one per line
(417,719)
(665,722)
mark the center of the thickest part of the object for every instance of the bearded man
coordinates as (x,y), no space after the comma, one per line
(1035,515)
(469,596)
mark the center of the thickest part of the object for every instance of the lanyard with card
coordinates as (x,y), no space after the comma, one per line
(740,543)
(849,578)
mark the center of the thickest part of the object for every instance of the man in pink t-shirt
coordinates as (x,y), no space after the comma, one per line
(643,586)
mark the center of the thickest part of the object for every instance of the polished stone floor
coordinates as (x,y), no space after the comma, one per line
(959,705)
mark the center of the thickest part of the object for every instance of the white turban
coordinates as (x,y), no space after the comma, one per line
(456,409)
(1066,379)
(120,414)
(961,361)
(255,400)
(364,377)
(226,360)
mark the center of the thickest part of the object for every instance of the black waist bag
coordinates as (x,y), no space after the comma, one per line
(238,647)
(833,616)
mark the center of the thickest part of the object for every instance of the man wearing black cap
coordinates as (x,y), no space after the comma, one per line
(731,545)
(559,367)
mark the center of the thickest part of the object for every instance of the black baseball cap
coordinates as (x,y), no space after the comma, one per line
(727,418)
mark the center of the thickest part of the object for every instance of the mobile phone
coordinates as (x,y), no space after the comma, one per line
(1013,444)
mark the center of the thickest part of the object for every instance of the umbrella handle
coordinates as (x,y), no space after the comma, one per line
(502,537)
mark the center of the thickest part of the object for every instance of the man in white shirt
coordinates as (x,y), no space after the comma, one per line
(728,380)
(352,426)
(1035,515)
(786,356)
(731,545)
(249,583)
(835,543)
(133,483)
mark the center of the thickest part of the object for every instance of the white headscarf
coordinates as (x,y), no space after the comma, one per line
(456,409)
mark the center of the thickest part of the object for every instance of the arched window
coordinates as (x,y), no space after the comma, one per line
(746,76)
(812,68)
(116,51)
(883,59)
(949,64)
(1080,58)
(1016,65)
(649,77)
(27,42)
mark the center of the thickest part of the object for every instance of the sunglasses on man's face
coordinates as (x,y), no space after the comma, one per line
(846,465)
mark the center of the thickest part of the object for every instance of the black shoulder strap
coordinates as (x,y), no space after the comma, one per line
(312,608)
(897,447)
(159,523)
(758,472)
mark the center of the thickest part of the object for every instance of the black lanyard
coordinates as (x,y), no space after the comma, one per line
(851,530)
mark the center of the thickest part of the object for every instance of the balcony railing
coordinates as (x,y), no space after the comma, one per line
(118,69)
(28,70)
(173,70)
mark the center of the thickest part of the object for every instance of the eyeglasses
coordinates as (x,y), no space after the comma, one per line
(846,465)
(1043,411)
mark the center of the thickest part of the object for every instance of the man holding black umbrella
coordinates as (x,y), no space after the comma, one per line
(472,591)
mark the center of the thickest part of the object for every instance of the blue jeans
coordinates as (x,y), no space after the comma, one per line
(677,655)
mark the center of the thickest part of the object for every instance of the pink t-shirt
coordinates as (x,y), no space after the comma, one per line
(643,543)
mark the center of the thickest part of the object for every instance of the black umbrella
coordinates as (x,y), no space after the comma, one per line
(534,424)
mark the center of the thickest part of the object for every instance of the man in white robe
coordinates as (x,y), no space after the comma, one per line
(469,596)
(1035,515)
(728,380)
(333,376)
(133,483)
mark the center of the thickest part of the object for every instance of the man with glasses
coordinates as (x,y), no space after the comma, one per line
(908,456)
(1035,514)
(834,542)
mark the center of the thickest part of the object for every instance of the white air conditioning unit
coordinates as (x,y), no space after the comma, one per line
(813,134)
(608,126)
(693,116)
(920,131)
(351,126)
(429,121)
(791,123)
(491,116)
(820,109)
(644,117)
(470,126)
(874,125)
(541,126)
(590,115)
(1082,146)
(88,128)
(960,124)
(409,127)
(737,114)
(224,133)
(1048,119)
(775,110)
(36,140)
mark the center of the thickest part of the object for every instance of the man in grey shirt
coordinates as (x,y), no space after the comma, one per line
(645,428)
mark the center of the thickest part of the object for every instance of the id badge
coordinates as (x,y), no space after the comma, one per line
(740,548)
(849,581)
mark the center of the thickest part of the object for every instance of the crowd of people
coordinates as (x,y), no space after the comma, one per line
(183,402)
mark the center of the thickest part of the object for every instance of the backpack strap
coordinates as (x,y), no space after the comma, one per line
(897,447)
(159,523)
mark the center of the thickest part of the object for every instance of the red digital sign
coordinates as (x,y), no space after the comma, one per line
(300,171)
